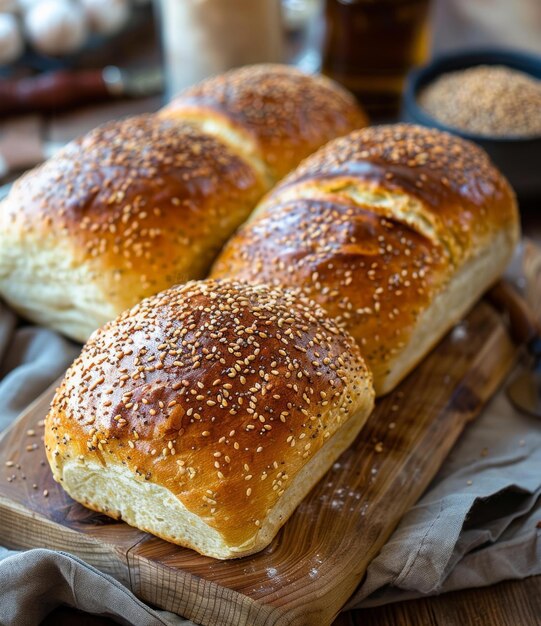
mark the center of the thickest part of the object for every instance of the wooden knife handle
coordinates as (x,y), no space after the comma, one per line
(522,320)
(52,91)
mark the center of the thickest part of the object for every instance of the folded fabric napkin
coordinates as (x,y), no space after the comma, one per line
(475,525)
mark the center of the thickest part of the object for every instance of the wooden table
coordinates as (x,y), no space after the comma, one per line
(506,604)
(513,603)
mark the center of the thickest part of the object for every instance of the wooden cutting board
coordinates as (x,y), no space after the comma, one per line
(320,556)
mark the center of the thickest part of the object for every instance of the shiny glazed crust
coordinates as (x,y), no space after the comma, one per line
(126,211)
(281,114)
(216,406)
(140,204)
(396,230)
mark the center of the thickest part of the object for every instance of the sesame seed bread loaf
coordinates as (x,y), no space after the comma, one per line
(274,113)
(140,204)
(207,412)
(395,230)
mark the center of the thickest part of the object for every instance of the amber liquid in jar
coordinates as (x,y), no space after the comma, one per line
(371,44)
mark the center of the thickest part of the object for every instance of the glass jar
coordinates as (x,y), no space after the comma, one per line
(370,45)
(205,37)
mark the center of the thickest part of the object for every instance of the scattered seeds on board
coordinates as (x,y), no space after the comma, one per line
(378,447)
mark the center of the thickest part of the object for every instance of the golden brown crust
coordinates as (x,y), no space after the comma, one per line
(289,114)
(372,273)
(373,227)
(464,196)
(141,204)
(218,391)
(145,202)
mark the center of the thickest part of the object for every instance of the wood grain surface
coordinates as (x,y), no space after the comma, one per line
(516,603)
(317,560)
(512,603)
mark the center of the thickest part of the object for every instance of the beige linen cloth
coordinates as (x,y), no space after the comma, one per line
(475,525)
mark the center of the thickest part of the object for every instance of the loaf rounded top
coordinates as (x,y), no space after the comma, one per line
(288,114)
(133,200)
(217,390)
(427,155)
(461,197)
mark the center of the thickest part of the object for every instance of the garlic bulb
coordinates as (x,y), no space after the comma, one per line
(56,27)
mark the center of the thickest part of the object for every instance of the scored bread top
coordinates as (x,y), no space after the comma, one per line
(372,273)
(285,114)
(457,196)
(218,391)
(373,226)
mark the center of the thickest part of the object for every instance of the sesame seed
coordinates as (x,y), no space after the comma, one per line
(233,336)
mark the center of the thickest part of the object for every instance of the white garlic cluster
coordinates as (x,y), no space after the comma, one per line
(57,27)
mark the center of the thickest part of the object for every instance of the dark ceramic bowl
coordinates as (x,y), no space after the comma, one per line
(518,159)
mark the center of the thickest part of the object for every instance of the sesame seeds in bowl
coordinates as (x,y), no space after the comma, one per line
(503,115)
(488,100)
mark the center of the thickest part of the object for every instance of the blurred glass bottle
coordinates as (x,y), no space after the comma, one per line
(303,21)
(201,38)
(370,45)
